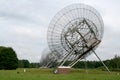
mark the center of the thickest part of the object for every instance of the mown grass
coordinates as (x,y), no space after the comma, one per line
(47,74)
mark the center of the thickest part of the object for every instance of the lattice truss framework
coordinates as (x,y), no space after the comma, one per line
(74,32)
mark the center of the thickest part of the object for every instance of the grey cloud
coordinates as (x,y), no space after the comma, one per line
(35,16)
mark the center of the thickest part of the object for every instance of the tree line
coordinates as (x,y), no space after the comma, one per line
(9,60)
(26,64)
(112,64)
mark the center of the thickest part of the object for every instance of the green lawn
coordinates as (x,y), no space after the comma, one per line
(46,74)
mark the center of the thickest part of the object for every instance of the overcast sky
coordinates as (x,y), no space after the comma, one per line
(24,23)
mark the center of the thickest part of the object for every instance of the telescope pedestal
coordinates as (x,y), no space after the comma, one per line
(63,70)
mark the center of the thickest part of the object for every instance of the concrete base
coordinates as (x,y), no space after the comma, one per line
(63,70)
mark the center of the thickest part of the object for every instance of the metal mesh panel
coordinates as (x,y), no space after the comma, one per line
(67,25)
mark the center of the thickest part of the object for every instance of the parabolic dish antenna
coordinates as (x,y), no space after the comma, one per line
(75,32)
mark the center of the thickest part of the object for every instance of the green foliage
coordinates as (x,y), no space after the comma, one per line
(26,64)
(89,64)
(20,64)
(8,58)
(113,64)
(34,65)
(23,64)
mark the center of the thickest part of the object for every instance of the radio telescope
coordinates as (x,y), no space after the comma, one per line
(48,58)
(75,32)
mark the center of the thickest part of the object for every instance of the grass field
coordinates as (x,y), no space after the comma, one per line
(46,74)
